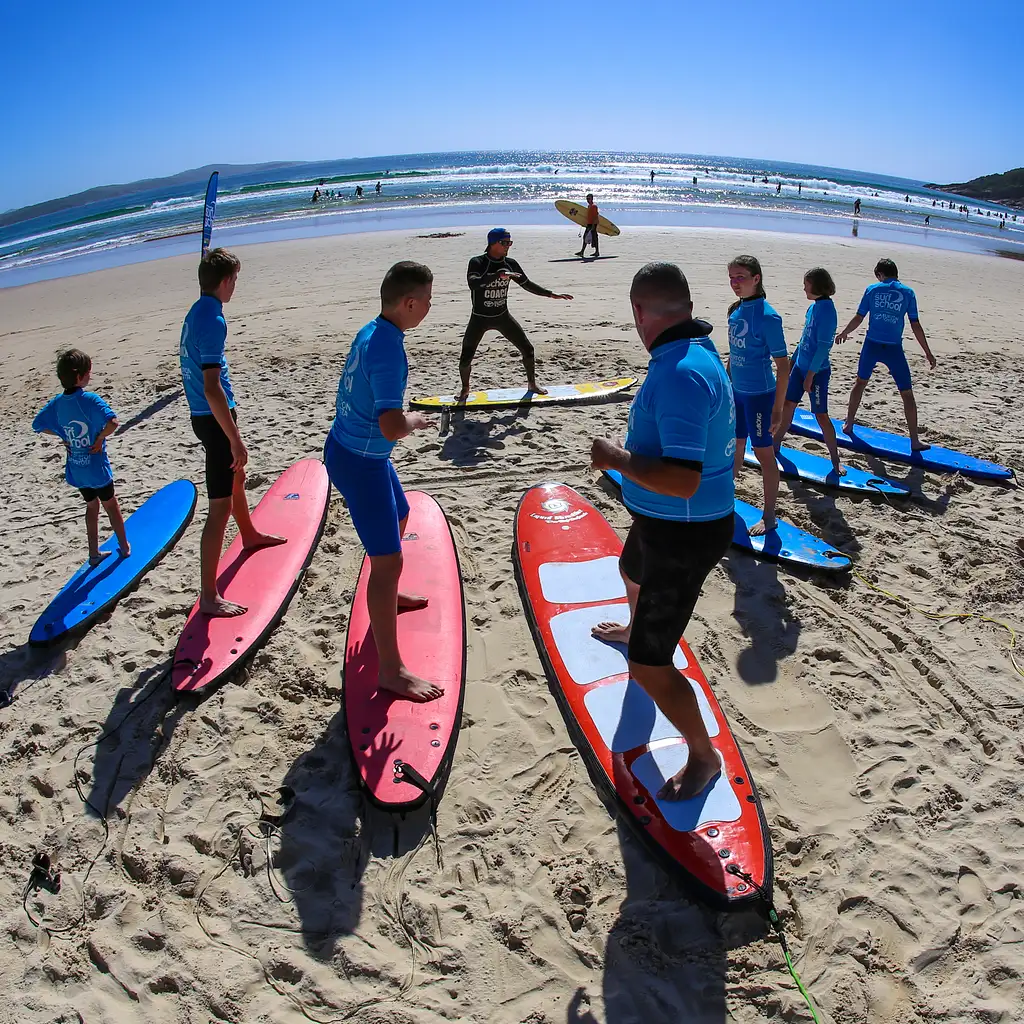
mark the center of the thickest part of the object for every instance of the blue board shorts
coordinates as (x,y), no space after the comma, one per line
(891,356)
(754,418)
(374,496)
(818,392)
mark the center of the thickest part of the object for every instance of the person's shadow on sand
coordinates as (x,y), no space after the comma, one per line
(474,440)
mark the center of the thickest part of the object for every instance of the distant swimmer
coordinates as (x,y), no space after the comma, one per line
(488,277)
(677,483)
(378,188)
(316,195)
(369,421)
(811,368)
(590,231)
(359,191)
(856,208)
(756,339)
(886,304)
(83,421)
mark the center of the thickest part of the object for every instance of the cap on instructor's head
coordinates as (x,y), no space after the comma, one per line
(497,235)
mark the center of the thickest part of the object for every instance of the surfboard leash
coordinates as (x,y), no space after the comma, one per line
(945,616)
(773,920)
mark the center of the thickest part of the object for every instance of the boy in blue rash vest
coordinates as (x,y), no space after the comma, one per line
(811,368)
(83,422)
(369,421)
(677,481)
(886,304)
(755,339)
(204,375)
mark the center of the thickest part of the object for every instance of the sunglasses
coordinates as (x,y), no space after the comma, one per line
(504,241)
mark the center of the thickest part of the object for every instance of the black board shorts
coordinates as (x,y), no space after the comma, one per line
(104,493)
(670,561)
(220,477)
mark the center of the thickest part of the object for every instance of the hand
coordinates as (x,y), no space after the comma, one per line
(809,380)
(561,297)
(841,337)
(239,455)
(604,454)
(417,421)
(931,360)
(510,274)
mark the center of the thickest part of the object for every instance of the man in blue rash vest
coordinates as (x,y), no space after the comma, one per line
(885,304)
(677,482)
(488,276)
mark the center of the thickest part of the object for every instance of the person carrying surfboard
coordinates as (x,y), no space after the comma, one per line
(83,421)
(590,231)
(211,402)
(755,339)
(488,277)
(369,421)
(885,304)
(677,482)
(811,368)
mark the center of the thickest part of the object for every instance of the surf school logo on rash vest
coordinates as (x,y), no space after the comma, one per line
(496,294)
(76,434)
(558,511)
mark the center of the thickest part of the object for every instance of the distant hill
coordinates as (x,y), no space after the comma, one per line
(197,175)
(1007,188)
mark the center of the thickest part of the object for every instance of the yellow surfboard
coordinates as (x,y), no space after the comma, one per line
(577,213)
(497,398)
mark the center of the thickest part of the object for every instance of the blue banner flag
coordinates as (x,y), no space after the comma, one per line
(211,205)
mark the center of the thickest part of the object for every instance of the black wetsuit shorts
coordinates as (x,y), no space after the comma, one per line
(505,324)
(104,493)
(220,477)
(670,561)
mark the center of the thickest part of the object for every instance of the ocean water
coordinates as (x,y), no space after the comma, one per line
(515,188)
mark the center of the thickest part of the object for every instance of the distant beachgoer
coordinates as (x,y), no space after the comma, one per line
(764,180)
(359,191)
(799,187)
(811,367)
(316,195)
(778,188)
(204,375)
(83,421)
(488,277)
(886,304)
(928,219)
(369,420)
(652,177)
(590,231)
(755,339)
(695,179)
(378,188)
(856,208)
(677,485)
(906,199)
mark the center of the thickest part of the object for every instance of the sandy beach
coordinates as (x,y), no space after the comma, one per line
(886,745)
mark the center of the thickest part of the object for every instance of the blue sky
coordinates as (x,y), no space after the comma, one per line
(107,92)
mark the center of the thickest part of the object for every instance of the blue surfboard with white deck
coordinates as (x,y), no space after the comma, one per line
(897,447)
(152,530)
(786,543)
(815,469)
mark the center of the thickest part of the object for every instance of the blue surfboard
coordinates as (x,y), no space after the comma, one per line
(152,529)
(786,543)
(897,447)
(818,470)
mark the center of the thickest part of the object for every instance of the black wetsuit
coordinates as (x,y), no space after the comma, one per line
(490,306)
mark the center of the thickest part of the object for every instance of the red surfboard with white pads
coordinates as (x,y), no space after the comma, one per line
(211,649)
(566,559)
(403,750)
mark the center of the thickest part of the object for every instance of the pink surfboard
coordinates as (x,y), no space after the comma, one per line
(264,580)
(389,735)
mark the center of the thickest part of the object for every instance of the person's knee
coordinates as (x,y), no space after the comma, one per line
(220,511)
(92,508)
(385,568)
(653,678)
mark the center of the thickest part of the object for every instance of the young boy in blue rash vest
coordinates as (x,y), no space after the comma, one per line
(83,422)
(677,481)
(755,339)
(885,304)
(204,374)
(811,368)
(369,421)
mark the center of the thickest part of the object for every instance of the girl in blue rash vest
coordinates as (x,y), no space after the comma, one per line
(811,367)
(755,339)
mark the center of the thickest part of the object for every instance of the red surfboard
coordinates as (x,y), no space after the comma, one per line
(403,751)
(566,556)
(210,649)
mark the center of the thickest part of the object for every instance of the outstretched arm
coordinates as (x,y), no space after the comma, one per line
(849,329)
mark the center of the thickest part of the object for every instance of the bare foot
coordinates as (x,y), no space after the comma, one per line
(263,540)
(919,446)
(407,602)
(611,632)
(220,608)
(763,526)
(125,551)
(838,469)
(691,780)
(848,428)
(95,560)
(536,388)
(405,684)
(462,395)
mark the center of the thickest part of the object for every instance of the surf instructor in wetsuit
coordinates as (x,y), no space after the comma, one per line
(488,276)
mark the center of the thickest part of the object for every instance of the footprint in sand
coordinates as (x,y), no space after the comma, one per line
(975,899)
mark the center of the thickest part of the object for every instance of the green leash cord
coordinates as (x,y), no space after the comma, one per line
(773,919)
